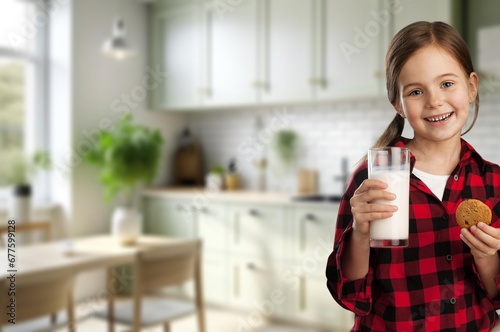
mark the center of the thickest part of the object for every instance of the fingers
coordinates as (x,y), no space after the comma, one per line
(482,238)
(493,232)
(371,184)
(371,190)
(368,212)
(371,201)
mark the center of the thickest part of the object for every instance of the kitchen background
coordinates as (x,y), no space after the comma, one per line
(84,91)
(328,133)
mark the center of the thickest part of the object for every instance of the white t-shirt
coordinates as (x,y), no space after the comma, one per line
(436,183)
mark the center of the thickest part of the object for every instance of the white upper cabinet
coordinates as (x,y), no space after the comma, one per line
(264,52)
(352,36)
(287,50)
(177,51)
(232,52)
(259,51)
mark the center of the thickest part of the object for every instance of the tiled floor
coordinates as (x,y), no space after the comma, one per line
(218,320)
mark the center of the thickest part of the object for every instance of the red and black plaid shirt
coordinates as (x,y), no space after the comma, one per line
(431,285)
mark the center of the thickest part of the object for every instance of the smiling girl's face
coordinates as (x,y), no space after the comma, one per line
(435,94)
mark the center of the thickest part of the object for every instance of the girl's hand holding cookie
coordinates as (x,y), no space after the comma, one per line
(482,239)
(474,217)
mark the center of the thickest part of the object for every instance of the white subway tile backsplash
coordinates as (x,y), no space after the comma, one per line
(327,133)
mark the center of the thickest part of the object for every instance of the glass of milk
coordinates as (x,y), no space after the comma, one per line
(392,166)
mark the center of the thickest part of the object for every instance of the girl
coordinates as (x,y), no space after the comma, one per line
(448,278)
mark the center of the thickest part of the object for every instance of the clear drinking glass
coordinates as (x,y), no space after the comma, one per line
(392,166)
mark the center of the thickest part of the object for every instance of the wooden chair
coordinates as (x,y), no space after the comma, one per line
(164,266)
(36,297)
(44,296)
(38,226)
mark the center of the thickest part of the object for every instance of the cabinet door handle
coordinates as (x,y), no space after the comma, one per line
(202,209)
(266,45)
(309,217)
(253,212)
(322,42)
(303,300)
(302,234)
(237,228)
(318,81)
(251,266)
(236,282)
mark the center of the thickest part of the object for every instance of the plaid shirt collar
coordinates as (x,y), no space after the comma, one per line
(467,153)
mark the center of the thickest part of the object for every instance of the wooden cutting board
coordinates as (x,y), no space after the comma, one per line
(307,181)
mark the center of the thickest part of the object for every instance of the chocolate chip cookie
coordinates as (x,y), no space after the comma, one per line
(471,211)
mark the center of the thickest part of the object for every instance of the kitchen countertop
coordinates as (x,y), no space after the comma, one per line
(237,196)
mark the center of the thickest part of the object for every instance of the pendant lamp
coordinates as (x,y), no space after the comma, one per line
(117,46)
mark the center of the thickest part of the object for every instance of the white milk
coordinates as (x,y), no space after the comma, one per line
(395,227)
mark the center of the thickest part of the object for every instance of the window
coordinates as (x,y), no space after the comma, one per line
(22,34)
(12,105)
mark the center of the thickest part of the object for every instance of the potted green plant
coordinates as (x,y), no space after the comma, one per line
(286,143)
(128,156)
(17,171)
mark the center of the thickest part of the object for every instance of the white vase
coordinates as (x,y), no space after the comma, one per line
(126,225)
(214,182)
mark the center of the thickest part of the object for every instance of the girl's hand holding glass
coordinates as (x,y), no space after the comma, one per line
(364,211)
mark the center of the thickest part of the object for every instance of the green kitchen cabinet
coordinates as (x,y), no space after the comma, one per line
(169,217)
(312,242)
(257,231)
(312,238)
(269,52)
(182,218)
(176,45)
(256,287)
(231,69)
(258,257)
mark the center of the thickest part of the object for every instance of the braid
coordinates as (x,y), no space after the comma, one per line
(393,131)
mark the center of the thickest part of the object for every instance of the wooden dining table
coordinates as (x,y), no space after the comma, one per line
(36,261)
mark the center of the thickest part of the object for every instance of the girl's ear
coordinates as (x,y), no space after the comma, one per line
(473,86)
(399,109)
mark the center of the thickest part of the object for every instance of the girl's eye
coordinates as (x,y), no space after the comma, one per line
(447,84)
(415,93)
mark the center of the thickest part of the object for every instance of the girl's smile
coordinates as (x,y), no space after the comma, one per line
(440,118)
